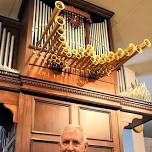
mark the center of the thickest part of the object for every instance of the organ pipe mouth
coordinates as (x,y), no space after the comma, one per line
(60,31)
(119,53)
(60,20)
(61,39)
(110,57)
(59,5)
(130,50)
(147,42)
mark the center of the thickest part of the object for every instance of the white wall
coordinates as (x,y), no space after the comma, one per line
(148,144)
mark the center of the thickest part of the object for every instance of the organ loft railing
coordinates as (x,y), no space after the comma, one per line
(67,39)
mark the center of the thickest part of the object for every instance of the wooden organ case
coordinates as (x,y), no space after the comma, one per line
(44,100)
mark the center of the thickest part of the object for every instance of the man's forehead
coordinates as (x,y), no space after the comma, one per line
(72,133)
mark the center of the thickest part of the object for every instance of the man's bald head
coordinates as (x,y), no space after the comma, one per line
(73,139)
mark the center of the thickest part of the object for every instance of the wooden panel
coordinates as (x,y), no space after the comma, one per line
(51,117)
(9,97)
(105,84)
(99,149)
(96,123)
(40,146)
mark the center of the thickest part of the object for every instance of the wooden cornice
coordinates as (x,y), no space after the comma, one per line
(16,82)
(81,4)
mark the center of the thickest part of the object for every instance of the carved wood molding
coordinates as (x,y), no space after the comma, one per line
(67,88)
(10,77)
(19,81)
(136,103)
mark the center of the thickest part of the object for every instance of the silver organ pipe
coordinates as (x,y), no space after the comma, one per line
(99,37)
(11,51)
(36,22)
(102,39)
(118,82)
(6,49)
(83,33)
(106,36)
(75,36)
(43,21)
(40,20)
(0,29)
(33,27)
(121,80)
(2,46)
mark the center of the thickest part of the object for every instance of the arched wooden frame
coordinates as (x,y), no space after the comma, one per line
(13,109)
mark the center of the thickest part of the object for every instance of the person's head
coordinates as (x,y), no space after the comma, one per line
(73,139)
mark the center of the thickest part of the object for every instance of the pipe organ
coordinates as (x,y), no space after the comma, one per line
(100,40)
(66,74)
(7,40)
(62,42)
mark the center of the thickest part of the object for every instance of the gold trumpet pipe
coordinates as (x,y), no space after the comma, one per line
(59,22)
(59,32)
(59,44)
(48,56)
(59,6)
(95,62)
(88,54)
(77,57)
(119,54)
(63,46)
(53,58)
(81,50)
(74,59)
(130,50)
(86,62)
(110,57)
(101,63)
(144,44)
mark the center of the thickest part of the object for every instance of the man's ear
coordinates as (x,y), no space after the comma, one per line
(86,147)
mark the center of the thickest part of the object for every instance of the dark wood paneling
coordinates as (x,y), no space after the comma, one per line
(96,123)
(41,146)
(99,149)
(51,117)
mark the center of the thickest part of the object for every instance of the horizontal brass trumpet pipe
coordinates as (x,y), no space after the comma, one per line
(143,45)
(101,62)
(130,50)
(110,57)
(119,54)
(59,6)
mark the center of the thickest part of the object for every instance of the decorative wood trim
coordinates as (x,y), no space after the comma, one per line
(136,103)
(68,88)
(19,81)
(9,77)
(81,4)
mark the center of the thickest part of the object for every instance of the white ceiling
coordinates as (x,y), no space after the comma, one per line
(10,8)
